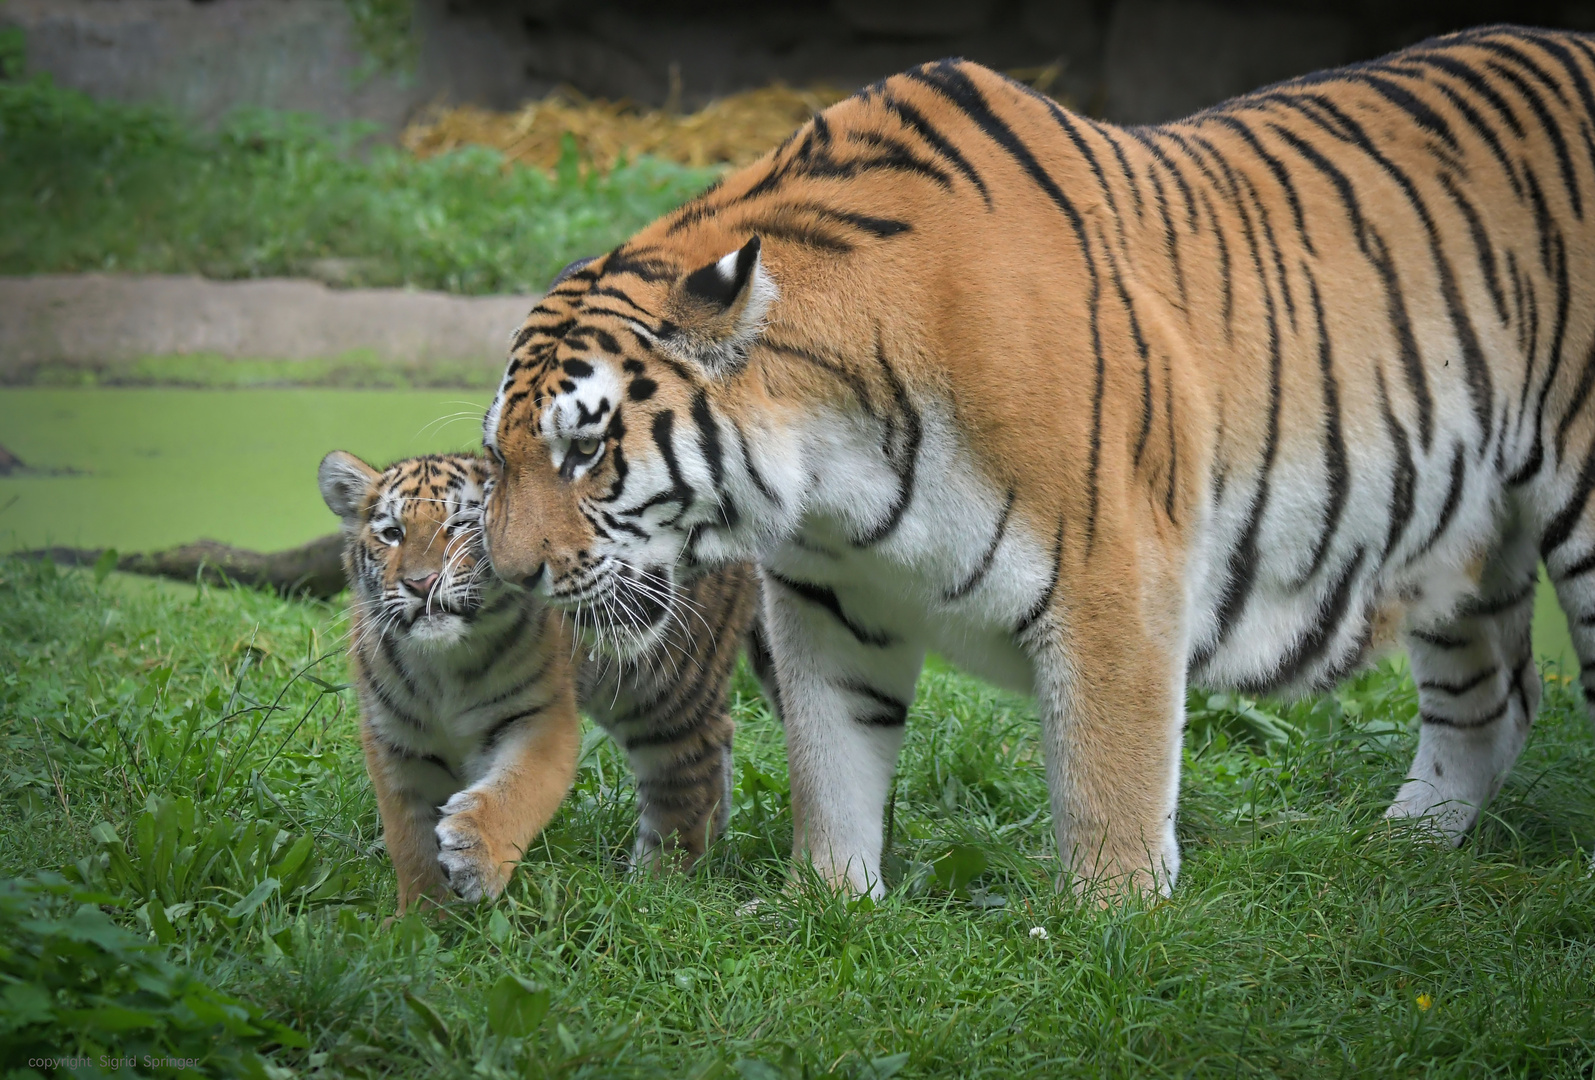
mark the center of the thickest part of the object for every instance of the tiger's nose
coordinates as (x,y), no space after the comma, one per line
(421,585)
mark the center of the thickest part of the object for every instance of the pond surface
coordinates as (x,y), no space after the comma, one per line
(144,469)
(150,468)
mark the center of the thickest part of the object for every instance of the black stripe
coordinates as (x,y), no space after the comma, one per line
(1564,160)
(904,460)
(1415,108)
(916,122)
(1477,722)
(1470,77)
(493,734)
(982,568)
(1281,175)
(1439,640)
(953,84)
(405,754)
(797,232)
(1378,254)
(1111,136)
(889,712)
(639,266)
(1241,572)
(899,157)
(759,483)
(1326,623)
(1577,569)
(1568,518)
(497,650)
(1044,601)
(1335,470)
(1476,369)
(392,707)
(878,227)
(1140,351)
(820,596)
(1448,508)
(1484,249)
(1485,132)
(1480,607)
(1458,689)
(708,438)
(833,367)
(1404,476)
(521,686)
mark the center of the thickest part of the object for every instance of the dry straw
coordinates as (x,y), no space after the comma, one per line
(732,130)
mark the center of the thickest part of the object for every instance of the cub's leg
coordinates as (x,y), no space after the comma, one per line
(486,828)
(683,789)
(1110,687)
(1478,690)
(408,816)
(844,691)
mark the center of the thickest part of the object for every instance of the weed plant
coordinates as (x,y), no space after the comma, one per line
(187,760)
(86,185)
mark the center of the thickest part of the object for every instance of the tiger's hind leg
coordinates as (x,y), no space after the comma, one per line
(1478,690)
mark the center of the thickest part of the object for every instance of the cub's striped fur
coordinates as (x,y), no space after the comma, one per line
(469,687)
(1094,410)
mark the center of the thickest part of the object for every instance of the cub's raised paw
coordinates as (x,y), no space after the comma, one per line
(470,861)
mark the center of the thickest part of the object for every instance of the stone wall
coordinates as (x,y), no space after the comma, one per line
(1127,60)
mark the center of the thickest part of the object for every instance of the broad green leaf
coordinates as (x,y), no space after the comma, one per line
(293,858)
(104,565)
(961,864)
(256,897)
(882,1068)
(429,1016)
(515,1006)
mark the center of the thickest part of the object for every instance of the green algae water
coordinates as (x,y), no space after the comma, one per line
(152,468)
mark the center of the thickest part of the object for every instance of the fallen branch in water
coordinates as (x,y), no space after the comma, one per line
(314,569)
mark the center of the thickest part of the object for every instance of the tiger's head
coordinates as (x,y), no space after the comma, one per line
(621,459)
(413,545)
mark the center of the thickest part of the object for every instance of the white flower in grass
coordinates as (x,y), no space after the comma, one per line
(1039,933)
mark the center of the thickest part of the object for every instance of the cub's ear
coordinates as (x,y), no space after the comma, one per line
(344,481)
(717,311)
(570,268)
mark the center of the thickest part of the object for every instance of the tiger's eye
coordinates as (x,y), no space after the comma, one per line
(391,535)
(586,447)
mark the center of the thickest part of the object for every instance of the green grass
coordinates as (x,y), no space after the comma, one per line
(1307,938)
(86,185)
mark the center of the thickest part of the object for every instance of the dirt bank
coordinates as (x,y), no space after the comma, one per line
(104,323)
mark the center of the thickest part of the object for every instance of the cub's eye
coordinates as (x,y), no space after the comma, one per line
(391,534)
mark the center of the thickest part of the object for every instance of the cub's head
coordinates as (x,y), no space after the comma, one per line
(617,461)
(413,545)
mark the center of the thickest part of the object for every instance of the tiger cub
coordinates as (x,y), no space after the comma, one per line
(469,687)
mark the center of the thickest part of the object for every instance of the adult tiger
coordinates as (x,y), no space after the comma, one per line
(1094,410)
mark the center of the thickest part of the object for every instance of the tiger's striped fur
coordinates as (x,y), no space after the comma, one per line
(1241,399)
(469,687)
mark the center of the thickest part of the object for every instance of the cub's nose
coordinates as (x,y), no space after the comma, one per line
(421,585)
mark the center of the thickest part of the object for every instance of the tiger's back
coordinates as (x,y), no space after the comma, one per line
(1094,410)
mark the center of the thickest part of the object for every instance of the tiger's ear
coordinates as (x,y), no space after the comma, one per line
(344,481)
(717,311)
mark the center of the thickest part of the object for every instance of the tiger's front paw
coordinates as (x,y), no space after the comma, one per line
(472,863)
